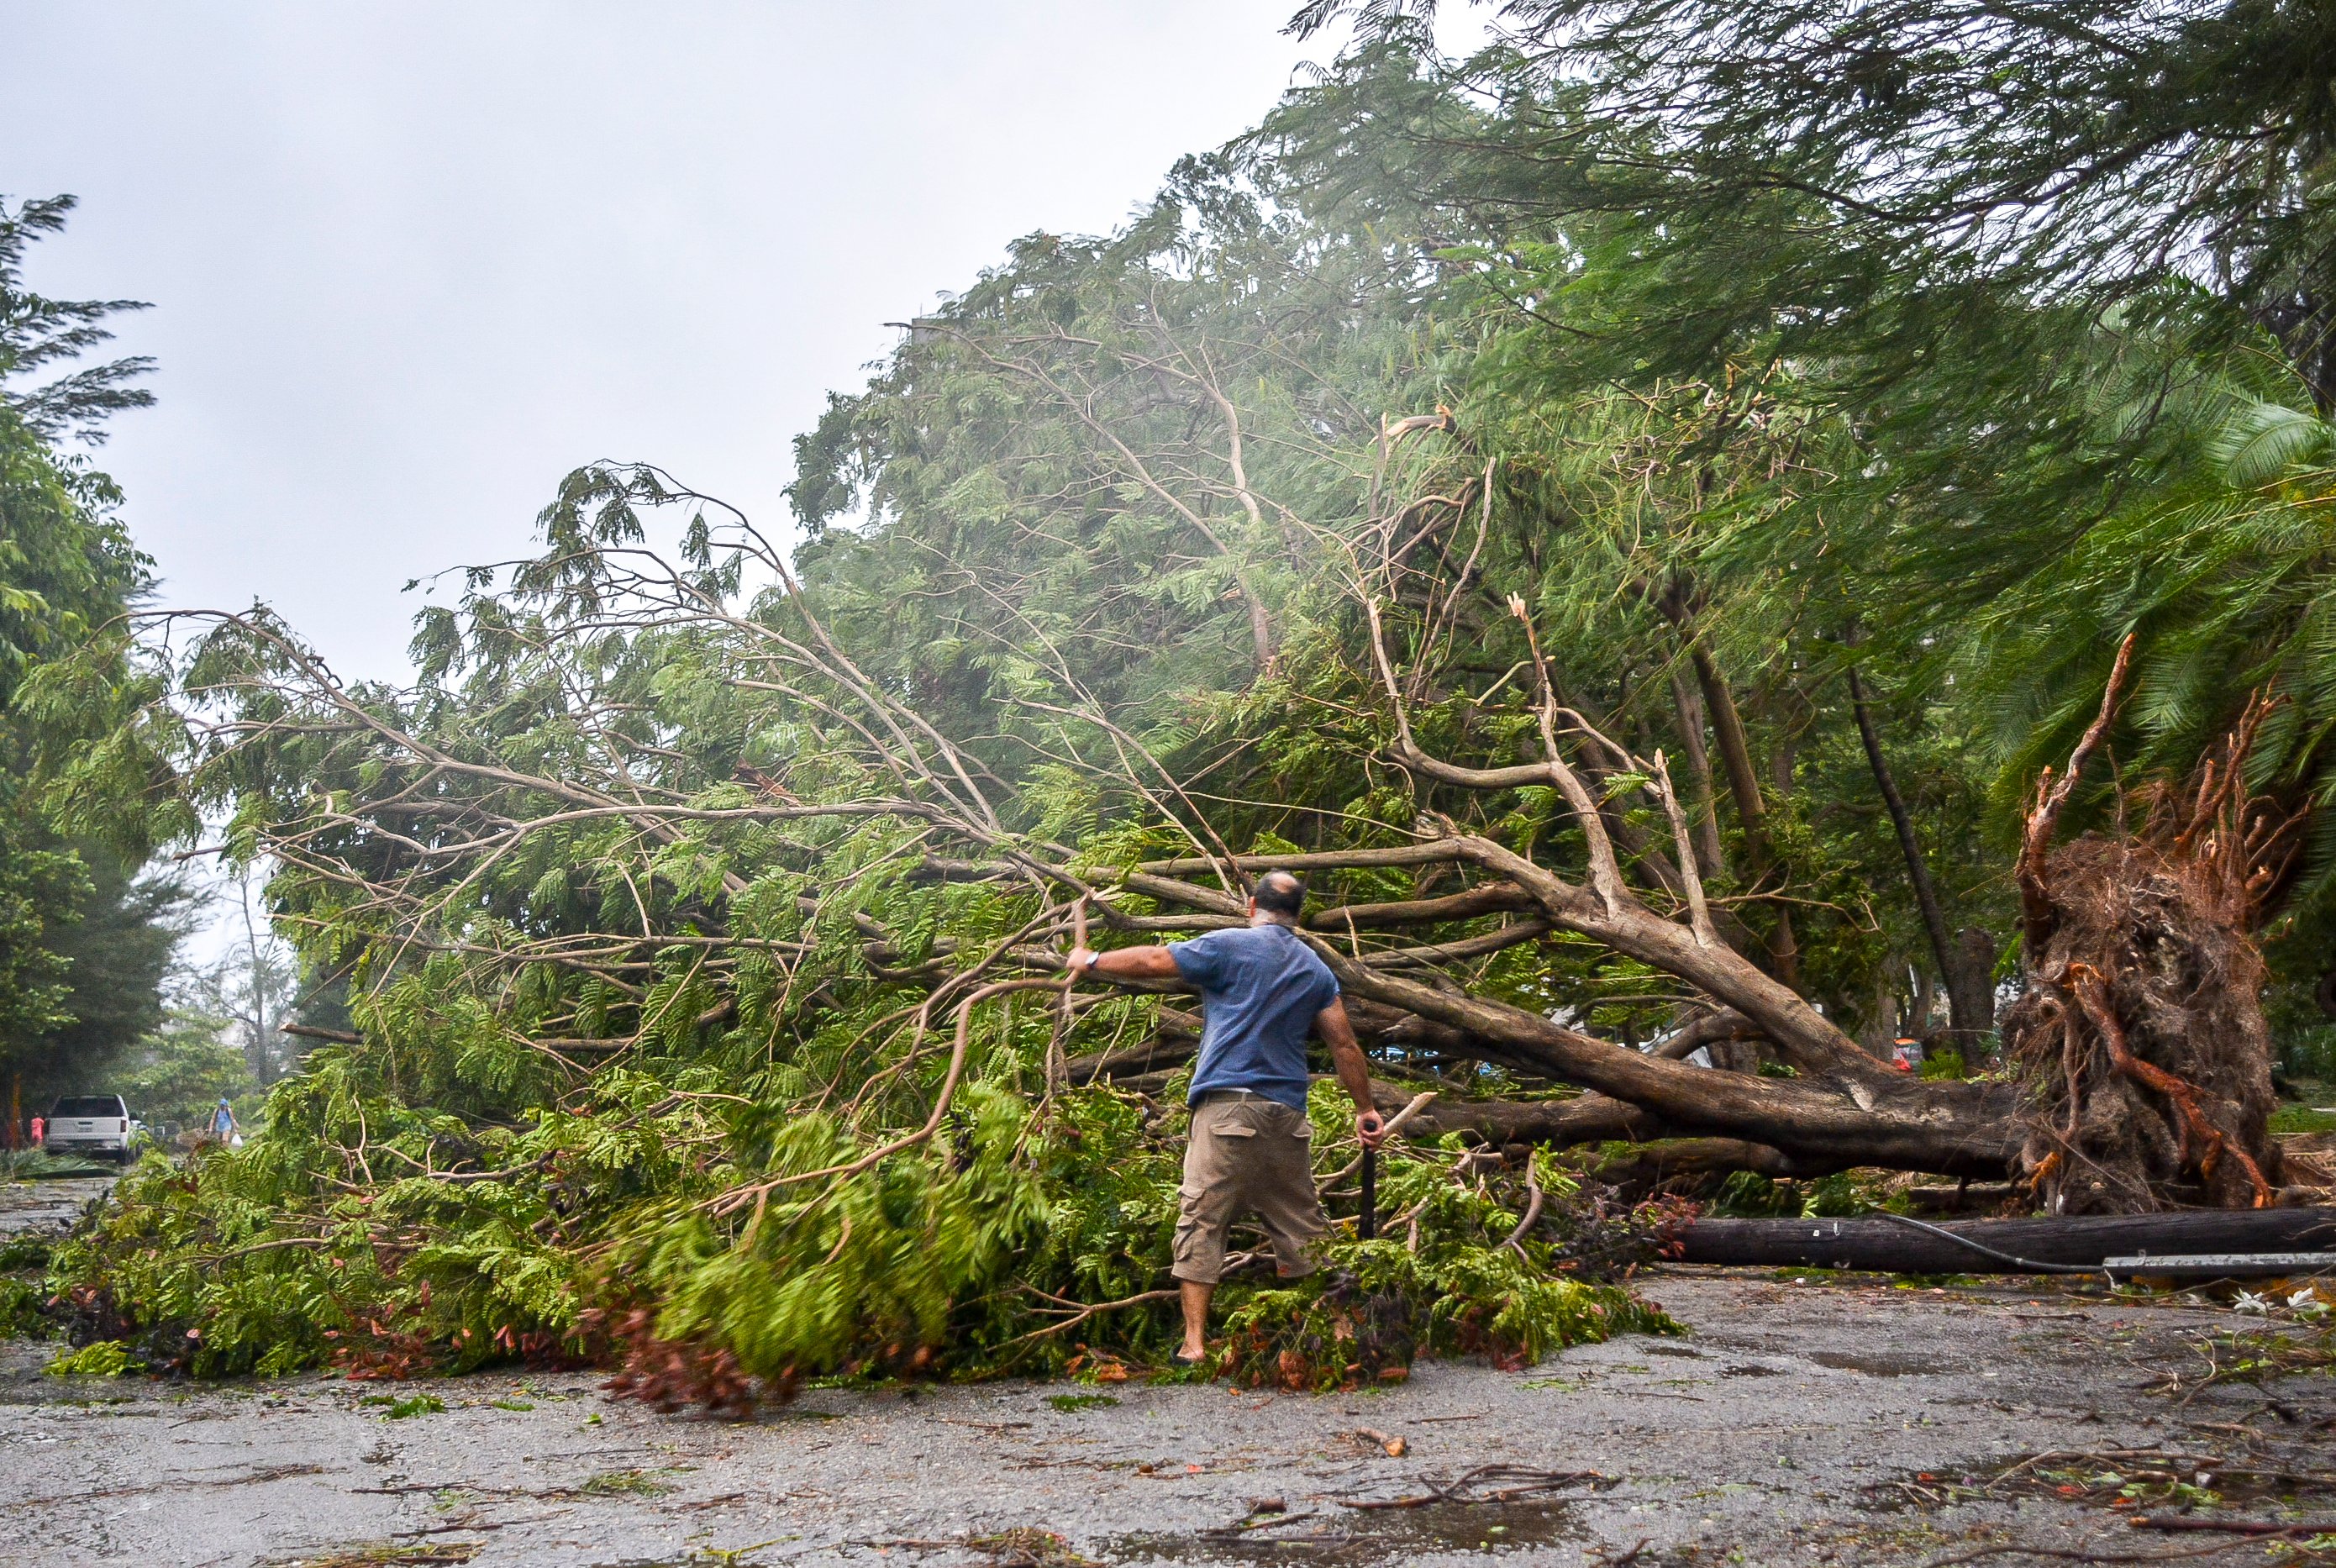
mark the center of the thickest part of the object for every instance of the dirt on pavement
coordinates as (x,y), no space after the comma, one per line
(1830,1421)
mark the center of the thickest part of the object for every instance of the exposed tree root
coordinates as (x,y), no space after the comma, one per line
(2198,1132)
(2141,1037)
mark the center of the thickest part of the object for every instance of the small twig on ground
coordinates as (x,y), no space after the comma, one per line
(2072,1555)
(2172,1521)
(1254,1524)
(909,1543)
(1524,1483)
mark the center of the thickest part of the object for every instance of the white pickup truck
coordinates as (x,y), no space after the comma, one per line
(91,1125)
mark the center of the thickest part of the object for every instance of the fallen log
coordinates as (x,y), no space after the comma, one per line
(1177,1038)
(1172,1045)
(1970,1197)
(1645,1165)
(1886,1245)
(1579,1119)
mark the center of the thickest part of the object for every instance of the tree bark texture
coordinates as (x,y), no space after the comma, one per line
(1918,871)
(1967,963)
(1744,784)
(1885,1244)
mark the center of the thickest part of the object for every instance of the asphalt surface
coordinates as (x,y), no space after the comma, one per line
(48,1205)
(1825,1422)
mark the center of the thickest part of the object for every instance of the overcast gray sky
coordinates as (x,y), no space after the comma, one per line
(410,263)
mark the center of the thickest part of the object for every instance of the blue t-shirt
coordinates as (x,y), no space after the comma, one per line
(1260,986)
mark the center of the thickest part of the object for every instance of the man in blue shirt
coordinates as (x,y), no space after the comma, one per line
(1262,992)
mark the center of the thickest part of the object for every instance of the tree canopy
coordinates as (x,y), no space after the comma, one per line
(83,943)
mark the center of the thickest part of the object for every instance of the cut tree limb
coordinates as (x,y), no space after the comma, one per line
(1884,1245)
(1582,1119)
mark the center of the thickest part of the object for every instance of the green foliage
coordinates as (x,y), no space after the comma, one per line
(2307,1040)
(99,1358)
(939,1262)
(2293,1118)
(1364,1322)
(38,334)
(114,943)
(1071,1402)
(1840,1195)
(83,943)
(628,1483)
(1748,1195)
(1943,1062)
(24,1294)
(40,1165)
(21,1314)
(1995,446)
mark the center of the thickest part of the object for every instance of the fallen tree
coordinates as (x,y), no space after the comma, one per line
(699,912)
(914,1177)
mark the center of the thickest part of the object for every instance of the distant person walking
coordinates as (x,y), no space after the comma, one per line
(223,1122)
(1262,992)
(39,1129)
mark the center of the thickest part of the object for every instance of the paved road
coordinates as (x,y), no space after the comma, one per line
(47,1205)
(1797,1423)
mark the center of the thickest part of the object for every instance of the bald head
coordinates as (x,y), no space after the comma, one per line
(1280,895)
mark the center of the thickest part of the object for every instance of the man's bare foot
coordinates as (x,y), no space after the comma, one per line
(1192,1355)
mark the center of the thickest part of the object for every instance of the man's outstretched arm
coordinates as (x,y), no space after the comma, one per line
(1354,1071)
(1154,963)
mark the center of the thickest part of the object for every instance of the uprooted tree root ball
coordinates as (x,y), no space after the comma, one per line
(2141,1033)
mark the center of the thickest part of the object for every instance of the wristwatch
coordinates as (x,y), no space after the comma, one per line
(1093,960)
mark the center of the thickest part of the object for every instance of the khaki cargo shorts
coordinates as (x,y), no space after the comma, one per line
(1247,1155)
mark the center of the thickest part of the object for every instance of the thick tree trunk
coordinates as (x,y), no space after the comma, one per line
(1970,990)
(1885,1244)
(1744,784)
(1847,1116)
(1560,1124)
(1705,808)
(1640,1169)
(1844,1108)
(1918,871)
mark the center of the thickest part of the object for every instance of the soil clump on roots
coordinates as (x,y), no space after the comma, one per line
(2141,1034)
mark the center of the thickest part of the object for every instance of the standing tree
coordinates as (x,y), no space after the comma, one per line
(83,943)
